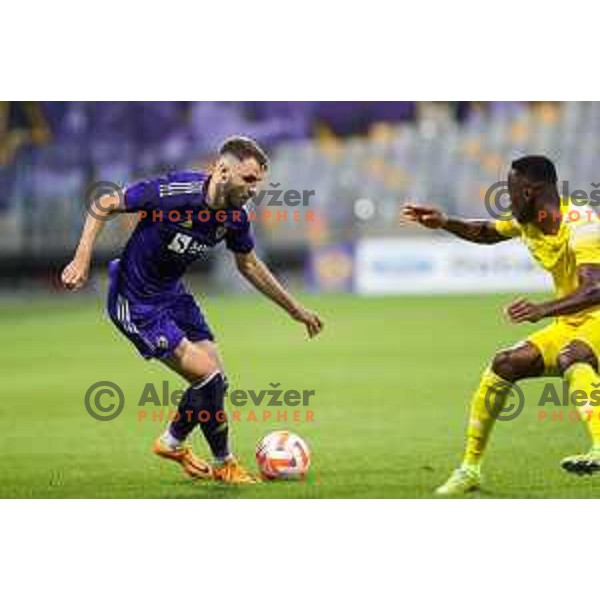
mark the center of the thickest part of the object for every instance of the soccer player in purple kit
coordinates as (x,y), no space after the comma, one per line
(185,213)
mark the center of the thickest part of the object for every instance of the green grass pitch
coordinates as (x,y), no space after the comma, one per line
(392,378)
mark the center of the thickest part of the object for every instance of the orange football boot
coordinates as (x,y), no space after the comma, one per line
(230,471)
(193,466)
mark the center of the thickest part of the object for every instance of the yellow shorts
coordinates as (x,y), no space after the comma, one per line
(552,339)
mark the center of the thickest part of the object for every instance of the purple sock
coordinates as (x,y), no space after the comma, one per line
(203,403)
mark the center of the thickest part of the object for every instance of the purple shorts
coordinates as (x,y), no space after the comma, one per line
(155,329)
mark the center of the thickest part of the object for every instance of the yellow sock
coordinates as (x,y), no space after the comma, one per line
(582,376)
(492,392)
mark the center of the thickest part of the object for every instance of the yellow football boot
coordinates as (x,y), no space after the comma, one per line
(462,481)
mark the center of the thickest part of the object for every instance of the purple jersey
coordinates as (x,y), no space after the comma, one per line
(175,228)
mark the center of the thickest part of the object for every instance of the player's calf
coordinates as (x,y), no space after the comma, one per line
(507,367)
(578,364)
(203,404)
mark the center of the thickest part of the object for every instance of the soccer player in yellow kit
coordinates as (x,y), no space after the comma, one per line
(565,241)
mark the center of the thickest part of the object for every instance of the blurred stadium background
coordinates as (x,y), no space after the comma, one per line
(392,374)
(362,159)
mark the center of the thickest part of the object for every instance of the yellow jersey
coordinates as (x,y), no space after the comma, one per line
(577,242)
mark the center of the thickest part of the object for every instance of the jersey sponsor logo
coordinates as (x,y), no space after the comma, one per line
(180,243)
(185,244)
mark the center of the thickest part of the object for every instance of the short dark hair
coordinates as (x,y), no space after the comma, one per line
(242,148)
(538,169)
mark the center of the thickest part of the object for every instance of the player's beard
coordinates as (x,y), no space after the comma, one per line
(237,199)
(525,215)
(229,197)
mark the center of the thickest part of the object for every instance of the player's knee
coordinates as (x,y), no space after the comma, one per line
(512,365)
(503,364)
(208,365)
(519,362)
(576,352)
(195,363)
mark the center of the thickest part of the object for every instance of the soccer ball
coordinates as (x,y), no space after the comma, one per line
(282,455)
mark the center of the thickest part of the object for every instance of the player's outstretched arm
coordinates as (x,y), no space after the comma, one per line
(585,296)
(75,274)
(259,275)
(478,231)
